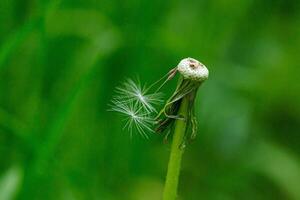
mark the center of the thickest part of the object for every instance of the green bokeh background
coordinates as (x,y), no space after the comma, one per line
(61,60)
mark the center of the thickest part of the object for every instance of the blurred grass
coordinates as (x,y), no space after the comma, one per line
(60,61)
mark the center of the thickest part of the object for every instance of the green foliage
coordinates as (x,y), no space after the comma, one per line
(60,61)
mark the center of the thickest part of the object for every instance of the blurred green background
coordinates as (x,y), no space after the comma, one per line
(61,60)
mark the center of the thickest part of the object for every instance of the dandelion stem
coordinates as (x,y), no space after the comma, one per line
(171,184)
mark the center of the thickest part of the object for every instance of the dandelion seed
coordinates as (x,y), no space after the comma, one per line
(137,107)
(135,92)
(135,117)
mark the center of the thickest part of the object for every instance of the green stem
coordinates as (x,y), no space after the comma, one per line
(171,184)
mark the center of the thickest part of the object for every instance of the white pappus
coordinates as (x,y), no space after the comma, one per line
(137,106)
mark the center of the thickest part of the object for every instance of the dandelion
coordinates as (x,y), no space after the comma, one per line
(177,116)
(178,112)
(193,74)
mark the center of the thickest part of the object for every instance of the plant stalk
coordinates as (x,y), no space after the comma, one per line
(171,183)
